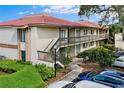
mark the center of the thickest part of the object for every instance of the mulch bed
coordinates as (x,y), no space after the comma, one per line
(96,67)
(59,75)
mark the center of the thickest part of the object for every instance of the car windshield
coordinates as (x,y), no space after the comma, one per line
(122,75)
(70,85)
(90,75)
(121,60)
(109,80)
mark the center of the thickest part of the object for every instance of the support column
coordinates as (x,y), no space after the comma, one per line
(18,40)
(28,44)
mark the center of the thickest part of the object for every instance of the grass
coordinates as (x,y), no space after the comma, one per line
(26,76)
(11,64)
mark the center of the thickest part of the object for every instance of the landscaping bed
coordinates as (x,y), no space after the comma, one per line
(25,76)
(59,75)
(95,67)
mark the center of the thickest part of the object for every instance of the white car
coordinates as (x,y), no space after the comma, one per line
(61,84)
(81,84)
(89,84)
(119,62)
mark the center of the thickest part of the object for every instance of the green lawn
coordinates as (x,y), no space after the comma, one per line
(26,76)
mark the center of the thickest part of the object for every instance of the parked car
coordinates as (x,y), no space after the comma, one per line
(2,57)
(81,84)
(119,62)
(86,75)
(109,81)
(89,84)
(113,73)
(62,84)
(119,53)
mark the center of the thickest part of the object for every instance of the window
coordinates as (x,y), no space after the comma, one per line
(62,34)
(92,31)
(78,33)
(85,45)
(85,32)
(114,81)
(100,78)
(97,31)
(89,31)
(70,85)
(92,43)
(22,36)
(109,80)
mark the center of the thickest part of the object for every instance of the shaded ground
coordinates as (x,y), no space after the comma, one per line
(96,67)
(76,70)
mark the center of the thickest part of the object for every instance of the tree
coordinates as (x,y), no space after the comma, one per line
(113,29)
(109,13)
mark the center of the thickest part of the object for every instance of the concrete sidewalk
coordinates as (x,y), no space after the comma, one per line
(76,70)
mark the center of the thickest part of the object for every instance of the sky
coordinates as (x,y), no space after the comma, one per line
(68,12)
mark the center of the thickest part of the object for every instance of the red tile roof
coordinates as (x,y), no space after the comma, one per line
(89,24)
(44,19)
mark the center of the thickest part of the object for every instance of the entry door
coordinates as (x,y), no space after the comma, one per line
(23,56)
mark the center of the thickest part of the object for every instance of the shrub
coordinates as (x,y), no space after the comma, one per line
(100,55)
(45,72)
(110,47)
(65,60)
(26,76)
(85,55)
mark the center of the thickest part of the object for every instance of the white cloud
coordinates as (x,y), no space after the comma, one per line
(23,13)
(62,9)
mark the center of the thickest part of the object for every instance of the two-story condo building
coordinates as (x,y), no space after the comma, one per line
(34,37)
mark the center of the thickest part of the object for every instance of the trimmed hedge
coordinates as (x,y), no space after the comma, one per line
(26,76)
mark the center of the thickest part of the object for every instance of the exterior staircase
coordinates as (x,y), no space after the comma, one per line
(48,54)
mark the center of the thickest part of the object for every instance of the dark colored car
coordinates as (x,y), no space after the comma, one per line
(116,74)
(86,75)
(119,53)
(2,57)
(109,81)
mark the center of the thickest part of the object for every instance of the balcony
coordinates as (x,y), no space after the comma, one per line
(48,56)
(81,39)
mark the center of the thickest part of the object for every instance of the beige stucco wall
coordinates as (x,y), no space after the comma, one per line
(118,41)
(8,36)
(45,36)
(41,37)
(9,53)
